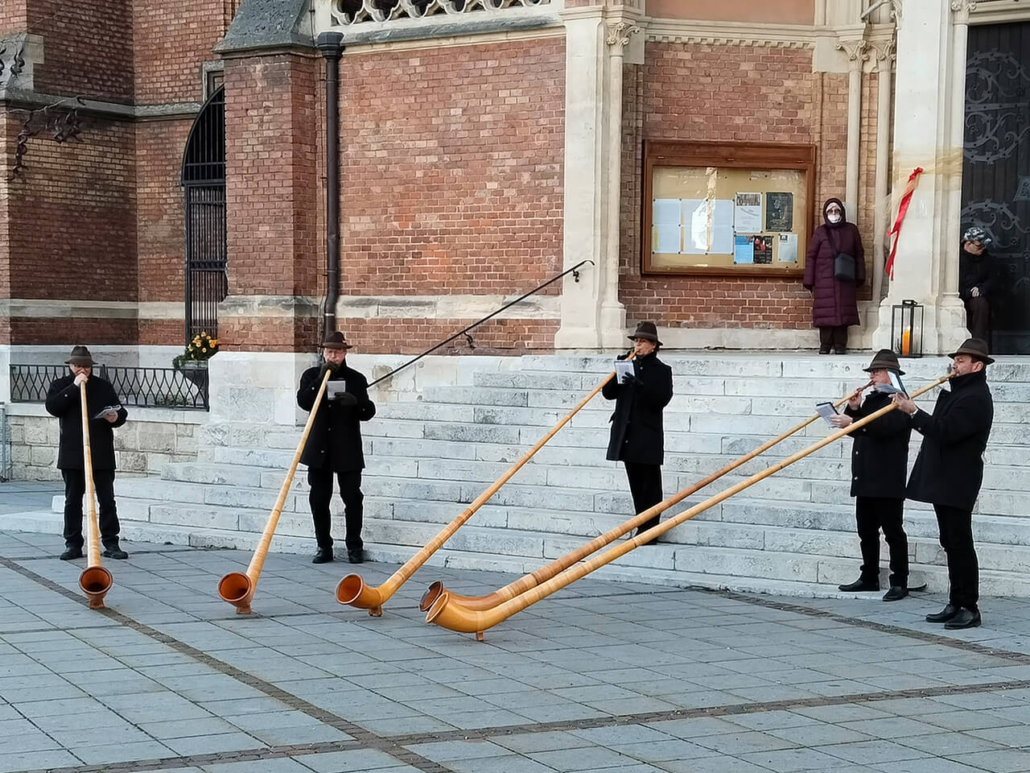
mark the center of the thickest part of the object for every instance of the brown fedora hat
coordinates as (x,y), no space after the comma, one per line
(80,356)
(885,359)
(974,347)
(336,340)
(647,331)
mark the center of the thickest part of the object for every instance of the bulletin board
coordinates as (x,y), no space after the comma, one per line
(727,209)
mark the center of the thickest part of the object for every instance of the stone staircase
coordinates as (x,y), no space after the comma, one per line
(792,533)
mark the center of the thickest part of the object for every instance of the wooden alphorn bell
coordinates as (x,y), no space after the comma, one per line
(237,588)
(559,565)
(95,580)
(449,613)
(353,590)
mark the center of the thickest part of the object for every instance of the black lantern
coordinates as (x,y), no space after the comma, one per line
(907,329)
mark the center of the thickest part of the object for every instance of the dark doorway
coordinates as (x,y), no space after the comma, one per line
(203,181)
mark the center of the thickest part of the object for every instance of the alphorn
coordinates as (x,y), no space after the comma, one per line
(353,590)
(95,580)
(449,613)
(559,565)
(238,587)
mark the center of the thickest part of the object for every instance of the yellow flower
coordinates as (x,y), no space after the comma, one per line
(203,334)
(204,350)
(214,342)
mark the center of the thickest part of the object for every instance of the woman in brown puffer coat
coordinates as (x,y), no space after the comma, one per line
(834,304)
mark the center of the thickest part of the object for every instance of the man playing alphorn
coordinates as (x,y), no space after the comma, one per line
(949,470)
(879,461)
(64,402)
(334,446)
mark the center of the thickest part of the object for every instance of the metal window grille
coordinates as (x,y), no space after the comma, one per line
(203,181)
(185,389)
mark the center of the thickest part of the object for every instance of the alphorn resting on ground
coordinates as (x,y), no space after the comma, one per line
(352,588)
(448,611)
(95,580)
(238,587)
(559,565)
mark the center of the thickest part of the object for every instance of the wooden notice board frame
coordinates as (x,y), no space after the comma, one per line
(743,160)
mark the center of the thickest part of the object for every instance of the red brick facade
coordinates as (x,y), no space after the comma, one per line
(762,95)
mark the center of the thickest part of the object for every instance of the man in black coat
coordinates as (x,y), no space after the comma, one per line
(334,445)
(64,402)
(974,281)
(879,461)
(949,470)
(637,436)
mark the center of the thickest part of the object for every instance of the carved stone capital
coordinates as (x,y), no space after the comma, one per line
(963,7)
(855,51)
(619,34)
(885,55)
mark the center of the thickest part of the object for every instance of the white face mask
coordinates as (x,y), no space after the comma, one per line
(834,218)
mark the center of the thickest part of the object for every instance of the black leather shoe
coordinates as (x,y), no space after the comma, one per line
(824,351)
(965,618)
(71,554)
(323,556)
(944,615)
(896,593)
(858,586)
(115,552)
(356,556)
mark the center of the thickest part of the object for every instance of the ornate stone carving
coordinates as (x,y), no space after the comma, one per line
(620,33)
(855,51)
(964,7)
(885,54)
(348,12)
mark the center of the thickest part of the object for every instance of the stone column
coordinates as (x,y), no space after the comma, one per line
(884,71)
(928,134)
(595,38)
(855,51)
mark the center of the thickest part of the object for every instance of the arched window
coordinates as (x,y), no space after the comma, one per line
(203,182)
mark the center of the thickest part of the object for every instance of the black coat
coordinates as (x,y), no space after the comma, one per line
(879,456)
(637,434)
(950,465)
(973,271)
(335,440)
(63,401)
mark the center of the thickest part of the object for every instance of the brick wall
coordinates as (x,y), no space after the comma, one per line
(72,215)
(5,244)
(412,336)
(78,330)
(172,39)
(87,47)
(737,93)
(453,182)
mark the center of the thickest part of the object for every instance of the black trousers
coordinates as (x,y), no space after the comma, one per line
(978,318)
(74,489)
(956,527)
(645,484)
(833,337)
(321,495)
(871,515)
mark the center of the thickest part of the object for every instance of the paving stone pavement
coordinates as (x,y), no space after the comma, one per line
(599,677)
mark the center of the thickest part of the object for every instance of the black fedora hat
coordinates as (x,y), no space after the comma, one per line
(336,340)
(974,347)
(80,356)
(647,331)
(885,359)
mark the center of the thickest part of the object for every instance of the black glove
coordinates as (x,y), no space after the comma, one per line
(331,367)
(345,398)
(631,381)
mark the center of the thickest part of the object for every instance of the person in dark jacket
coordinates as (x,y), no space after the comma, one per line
(974,282)
(834,302)
(879,461)
(334,446)
(637,436)
(949,470)
(64,401)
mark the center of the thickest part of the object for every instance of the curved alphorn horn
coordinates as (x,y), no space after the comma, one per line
(559,565)
(237,587)
(353,590)
(95,580)
(449,613)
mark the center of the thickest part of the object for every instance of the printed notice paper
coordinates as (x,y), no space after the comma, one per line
(747,213)
(743,250)
(827,411)
(787,251)
(708,226)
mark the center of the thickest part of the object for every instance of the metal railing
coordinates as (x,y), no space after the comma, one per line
(5,446)
(185,389)
(575,275)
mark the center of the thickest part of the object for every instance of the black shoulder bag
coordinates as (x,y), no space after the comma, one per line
(843,263)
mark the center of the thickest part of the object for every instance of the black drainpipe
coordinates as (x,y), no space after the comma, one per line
(331,46)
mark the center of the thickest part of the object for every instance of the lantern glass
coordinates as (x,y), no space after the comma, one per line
(907,329)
